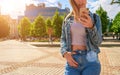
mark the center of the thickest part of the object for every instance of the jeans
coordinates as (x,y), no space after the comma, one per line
(88,64)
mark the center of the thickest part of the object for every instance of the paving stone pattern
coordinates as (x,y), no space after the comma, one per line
(20,58)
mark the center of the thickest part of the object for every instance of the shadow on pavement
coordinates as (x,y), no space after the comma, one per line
(57,45)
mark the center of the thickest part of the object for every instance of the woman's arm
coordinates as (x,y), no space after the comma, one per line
(64,52)
(96,32)
(63,40)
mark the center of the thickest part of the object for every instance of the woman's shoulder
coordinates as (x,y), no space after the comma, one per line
(93,14)
(68,18)
(96,15)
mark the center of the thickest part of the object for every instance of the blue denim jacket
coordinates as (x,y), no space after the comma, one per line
(93,36)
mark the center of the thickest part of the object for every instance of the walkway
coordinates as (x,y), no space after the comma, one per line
(21,58)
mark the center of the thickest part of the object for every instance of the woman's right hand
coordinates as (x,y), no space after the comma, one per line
(70,60)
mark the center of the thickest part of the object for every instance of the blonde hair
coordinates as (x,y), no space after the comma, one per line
(75,10)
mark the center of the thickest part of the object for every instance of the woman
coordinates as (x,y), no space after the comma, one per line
(80,38)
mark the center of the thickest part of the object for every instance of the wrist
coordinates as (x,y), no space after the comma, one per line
(64,55)
(91,27)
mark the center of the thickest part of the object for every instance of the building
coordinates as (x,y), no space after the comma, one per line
(33,11)
(12,25)
(0,10)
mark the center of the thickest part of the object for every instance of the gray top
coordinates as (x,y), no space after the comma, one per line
(78,34)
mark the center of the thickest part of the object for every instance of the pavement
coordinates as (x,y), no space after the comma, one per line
(41,58)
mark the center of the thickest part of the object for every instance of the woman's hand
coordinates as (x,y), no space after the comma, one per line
(86,20)
(70,60)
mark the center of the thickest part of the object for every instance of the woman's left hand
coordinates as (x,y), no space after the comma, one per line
(86,21)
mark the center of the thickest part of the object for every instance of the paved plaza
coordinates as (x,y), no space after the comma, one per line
(22,58)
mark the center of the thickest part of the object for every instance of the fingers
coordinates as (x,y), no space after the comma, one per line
(87,16)
(71,61)
(74,62)
(84,24)
(83,20)
(84,11)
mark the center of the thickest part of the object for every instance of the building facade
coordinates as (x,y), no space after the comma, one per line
(33,11)
(13,26)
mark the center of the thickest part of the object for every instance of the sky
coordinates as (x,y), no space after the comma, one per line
(17,7)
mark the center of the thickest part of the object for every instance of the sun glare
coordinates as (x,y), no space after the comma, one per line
(7,8)
(11,7)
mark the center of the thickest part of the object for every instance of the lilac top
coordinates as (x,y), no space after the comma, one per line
(78,34)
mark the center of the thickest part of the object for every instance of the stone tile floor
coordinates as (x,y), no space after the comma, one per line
(20,58)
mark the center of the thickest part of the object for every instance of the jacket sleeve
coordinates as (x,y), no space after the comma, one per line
(96,32)
(63,43)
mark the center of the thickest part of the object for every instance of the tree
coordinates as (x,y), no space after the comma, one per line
(39,27)
(4,27)
(32,30)
(115,2)
(110,27)
(57,24)
(49,29)
(104,18)
(24,28)
(116,24)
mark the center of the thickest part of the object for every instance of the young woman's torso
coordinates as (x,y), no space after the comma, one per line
(78,36)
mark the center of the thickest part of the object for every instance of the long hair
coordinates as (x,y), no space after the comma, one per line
(75,10)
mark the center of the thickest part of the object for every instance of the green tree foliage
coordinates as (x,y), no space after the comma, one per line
(4,27)
(115,2)
(104,18)
(39,27)
(49,29)
(57,24)
(110,27)
(49,26)
(49,23)
(32,30)
(24,28)
(116,23)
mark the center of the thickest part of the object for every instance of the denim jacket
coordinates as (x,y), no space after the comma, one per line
(93,36)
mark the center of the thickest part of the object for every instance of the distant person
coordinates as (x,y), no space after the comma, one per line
(103,36)
(80,40)
(113,36)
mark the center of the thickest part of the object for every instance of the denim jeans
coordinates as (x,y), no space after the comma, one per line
(88,64)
